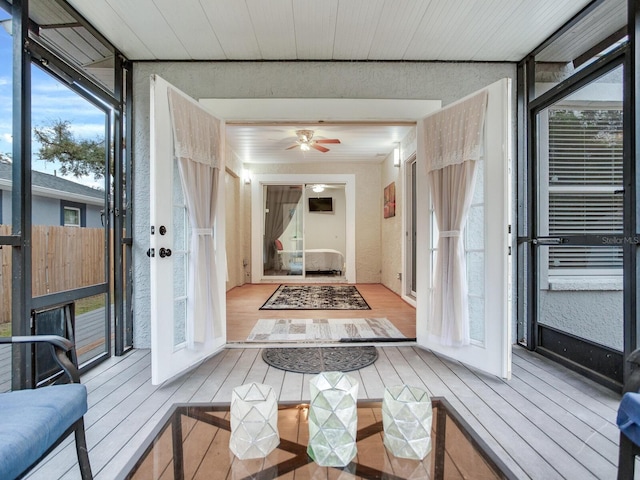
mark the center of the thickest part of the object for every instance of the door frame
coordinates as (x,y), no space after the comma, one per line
(409,226)
(257,215)
(529,330)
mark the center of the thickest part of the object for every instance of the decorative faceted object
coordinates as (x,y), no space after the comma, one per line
(333,419)
(406,418)
(254,421)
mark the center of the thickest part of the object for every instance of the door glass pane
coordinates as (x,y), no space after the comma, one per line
(325,231)
(580,180)
(474,234)
(90,339)
(68,188)
(474,244)
(69,211)
(180,258)
(283,230)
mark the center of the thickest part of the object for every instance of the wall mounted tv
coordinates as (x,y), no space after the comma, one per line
(321,204)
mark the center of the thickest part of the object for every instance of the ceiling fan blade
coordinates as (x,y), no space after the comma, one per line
(292,146)
(320,148)
(327,140)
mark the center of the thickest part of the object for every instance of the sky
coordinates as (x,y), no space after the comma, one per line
(51,100)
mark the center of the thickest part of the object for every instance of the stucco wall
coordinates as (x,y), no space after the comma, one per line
(592,314)
(391,229)
(433,81)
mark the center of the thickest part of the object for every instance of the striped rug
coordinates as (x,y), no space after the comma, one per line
(324,330)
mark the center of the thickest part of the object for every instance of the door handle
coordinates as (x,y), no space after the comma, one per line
(165,252)
(549,241)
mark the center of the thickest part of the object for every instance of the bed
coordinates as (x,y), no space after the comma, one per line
(316,260)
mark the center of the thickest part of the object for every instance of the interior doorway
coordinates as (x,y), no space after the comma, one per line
(301,234)
(304,229)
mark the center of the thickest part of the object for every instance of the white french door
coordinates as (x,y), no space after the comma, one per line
(487,247)
(169,251)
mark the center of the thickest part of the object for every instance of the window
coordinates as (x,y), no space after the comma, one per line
(584,172)
(71,217)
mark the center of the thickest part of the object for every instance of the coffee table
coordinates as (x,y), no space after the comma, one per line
(192,442)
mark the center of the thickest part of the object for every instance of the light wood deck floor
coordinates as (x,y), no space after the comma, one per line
(545,423)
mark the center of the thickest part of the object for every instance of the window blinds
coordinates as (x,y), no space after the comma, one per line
(584,172)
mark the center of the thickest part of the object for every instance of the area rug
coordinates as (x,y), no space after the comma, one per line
(299,330)
(320,359)
(316,297)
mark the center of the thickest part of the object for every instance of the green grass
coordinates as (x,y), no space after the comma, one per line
(5,329)
(89,304)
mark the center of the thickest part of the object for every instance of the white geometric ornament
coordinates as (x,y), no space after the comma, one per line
(406,418)
(333,419)
(254,421)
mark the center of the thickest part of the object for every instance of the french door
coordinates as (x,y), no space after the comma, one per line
(486,244)
(169,253)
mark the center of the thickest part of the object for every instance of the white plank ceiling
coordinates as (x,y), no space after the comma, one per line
(470,30)
(342,30)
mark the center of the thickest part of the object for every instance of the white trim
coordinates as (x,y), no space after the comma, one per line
(257,210)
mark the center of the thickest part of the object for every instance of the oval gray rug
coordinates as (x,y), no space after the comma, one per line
(320,359)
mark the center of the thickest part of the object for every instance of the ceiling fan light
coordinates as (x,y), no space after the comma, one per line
(318,188)
(304,147)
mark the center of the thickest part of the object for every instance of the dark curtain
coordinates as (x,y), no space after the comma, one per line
(275,221)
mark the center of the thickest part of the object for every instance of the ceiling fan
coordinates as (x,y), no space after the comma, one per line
(305,141)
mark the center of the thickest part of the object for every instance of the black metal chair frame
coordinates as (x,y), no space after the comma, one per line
(60,349)
(628,450)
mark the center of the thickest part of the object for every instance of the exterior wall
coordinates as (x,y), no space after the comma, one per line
(592,314)
(446,81)
(46,211)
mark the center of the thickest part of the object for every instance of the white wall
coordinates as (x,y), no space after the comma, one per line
(369,80)
(326,229)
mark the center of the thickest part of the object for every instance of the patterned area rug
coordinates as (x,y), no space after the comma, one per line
(320,359)
(318,330)
(316,297)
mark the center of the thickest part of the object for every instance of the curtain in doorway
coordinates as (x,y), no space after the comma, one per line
(196,140)
(453,144)
(276,221)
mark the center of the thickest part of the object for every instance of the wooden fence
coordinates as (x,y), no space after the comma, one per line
(64,258)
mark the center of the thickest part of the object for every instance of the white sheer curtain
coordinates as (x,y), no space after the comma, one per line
(196,147)
(453,143)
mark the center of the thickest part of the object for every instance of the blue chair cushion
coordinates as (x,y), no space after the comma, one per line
(629,416)
(33,420)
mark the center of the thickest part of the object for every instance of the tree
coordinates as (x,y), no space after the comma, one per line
(77,157)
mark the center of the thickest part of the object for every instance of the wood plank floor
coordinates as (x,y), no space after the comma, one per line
(545,423)
(243,304)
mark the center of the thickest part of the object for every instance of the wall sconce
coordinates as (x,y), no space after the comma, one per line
(246,177)
(396,156)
